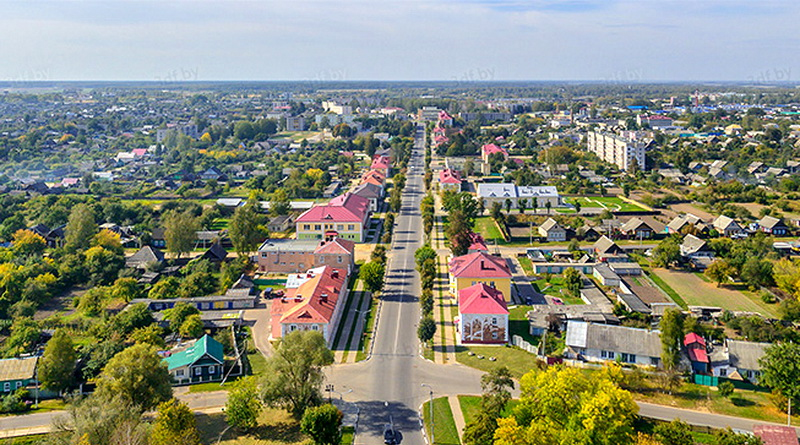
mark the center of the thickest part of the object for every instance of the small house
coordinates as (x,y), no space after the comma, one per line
(199,361)
(16,373)
(773,226)
(551,230)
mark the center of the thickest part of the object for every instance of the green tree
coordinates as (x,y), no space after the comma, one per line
(151,335)
(323,423)
(138,376)
(372,275)
(667,253)
(180,231)
(57,366)
(496,386)
(174,424)
(757,273)
(573,281)
(423,254)
(279,203)
(676,432)
(81,227)
(246,230)
(294,373)
(100,421)
(725,389)
(28,243)
(167,287)
(25,334)
(426,329)
(243,406)
(458,232)
(671,327)
(719,271)
(780,370)
(177,314)
(192,327)
(729,437)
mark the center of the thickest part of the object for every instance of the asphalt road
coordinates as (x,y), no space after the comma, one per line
(388,386)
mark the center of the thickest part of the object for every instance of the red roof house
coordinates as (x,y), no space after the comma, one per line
(345,216)
(314,305)
(482,315)
(382,164)
(450,180)
(776,434)
(696,349)
(480,267)
(478,244)
(489,149)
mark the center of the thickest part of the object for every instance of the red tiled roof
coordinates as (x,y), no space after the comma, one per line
(380,162)
(693,338)
(698,355)
(776,434)
(343,208)
(139,151)
(481,299)
(448,176)
(304,304)
(479,265)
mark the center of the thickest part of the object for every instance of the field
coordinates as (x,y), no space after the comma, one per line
(444,425)
(697,292)
(486,226)
(612,203)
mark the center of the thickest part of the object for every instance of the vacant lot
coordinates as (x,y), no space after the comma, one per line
(697,292)
(611,203)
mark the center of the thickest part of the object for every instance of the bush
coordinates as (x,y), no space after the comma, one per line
(768,298)
(725,389)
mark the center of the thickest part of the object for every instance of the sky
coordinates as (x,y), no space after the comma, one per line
(449,40)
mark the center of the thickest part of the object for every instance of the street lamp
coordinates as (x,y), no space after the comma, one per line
(329,390)
(431,406)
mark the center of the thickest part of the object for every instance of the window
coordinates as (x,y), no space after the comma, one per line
(211,369)
(494,320)
(263,254)
(351,227)
(723,372)
(7,386)
(198,371)
(314,328)
(19,384)
(340,227)
(179,373)
(339,258)
(607,354)
(494,335)
(654,361)
(306,226)
(317,227)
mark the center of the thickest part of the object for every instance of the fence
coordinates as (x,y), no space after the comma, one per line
(707,380)
(519,342)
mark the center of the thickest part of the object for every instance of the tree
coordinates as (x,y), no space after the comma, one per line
(577,206)
(495,385)
(757,273)
(676,432)
(25,334)
(423,254)
(563,405)
(426,329)
(294,373)
(725,388)
(57,366)
(548,205)
(378,254)
(108,240)
(103,265)
(671,338)
(100,421)
(151,335)
(372,275)
(243,406)
(174,424)
(28,243)
(192,327)
(458,231)
(81,227)
(180,231)
(573,281)
(729,437)
(719,271)
(508,205)
(667,253)
(138,376)
(323,424)
(279,203)
(780,370)
(246,230)
(177,314)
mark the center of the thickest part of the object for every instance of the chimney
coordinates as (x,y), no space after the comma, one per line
(298,298)
(335,273)
(323,298)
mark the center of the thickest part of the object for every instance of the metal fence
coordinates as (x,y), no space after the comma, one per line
(519,342)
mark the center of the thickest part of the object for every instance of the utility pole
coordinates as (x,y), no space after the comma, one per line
(431,406)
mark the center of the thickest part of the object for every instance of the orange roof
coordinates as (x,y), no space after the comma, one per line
(314,301)
(336,246)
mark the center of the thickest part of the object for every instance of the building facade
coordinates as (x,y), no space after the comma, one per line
(617,150)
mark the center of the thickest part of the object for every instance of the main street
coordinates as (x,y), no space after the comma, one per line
(388,386)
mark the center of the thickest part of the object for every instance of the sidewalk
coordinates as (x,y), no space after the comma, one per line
(342,347)
(458,416)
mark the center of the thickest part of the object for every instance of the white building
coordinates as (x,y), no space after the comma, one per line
(491,193)
(617,150)
(335,107)
(594,342)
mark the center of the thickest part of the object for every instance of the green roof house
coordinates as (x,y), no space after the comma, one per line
(17,373)
(201,361)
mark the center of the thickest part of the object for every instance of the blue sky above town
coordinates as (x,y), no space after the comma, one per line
(462,40)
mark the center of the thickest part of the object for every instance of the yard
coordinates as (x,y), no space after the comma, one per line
(486,226)
(471,406)
(611,203)
(698,292)
(516,360)
(555,288)
(444,425)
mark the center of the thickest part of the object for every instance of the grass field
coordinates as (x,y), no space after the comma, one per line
(555,288)
(516,360)
(697,292)
(471,406)
(274,427)
(526,264)
(611,203)
(445,431)
(486,226)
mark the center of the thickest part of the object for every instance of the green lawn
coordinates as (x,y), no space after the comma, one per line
(211,386)
(471,406)
(516,360)
(274,427)
(445,431)
(518,323)
(348,435)
(25,440)
(486,226)
(527,265)
(669,290)
(555,288)
(698,292)
(369,332)
(612,203)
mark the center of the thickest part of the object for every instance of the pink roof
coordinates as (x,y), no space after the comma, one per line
(479,265)
(776,434)
(478,242)
(481,299)
(693,338)
(70,181)
(343,208)
(380,162)
(139,151)
(444,116)
(448,176)
(336,246)
(314,301)
(492,148)
(440,138)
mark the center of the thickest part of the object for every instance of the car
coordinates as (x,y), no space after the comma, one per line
(390,435)
(558,301)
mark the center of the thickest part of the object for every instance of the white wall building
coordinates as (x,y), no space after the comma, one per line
(491,193)
(617,150)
